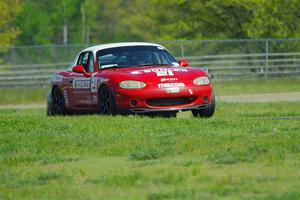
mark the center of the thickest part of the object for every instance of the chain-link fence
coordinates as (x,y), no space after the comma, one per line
(224,59)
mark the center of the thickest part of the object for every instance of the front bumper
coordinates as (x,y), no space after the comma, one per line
(148,100)
(155,110)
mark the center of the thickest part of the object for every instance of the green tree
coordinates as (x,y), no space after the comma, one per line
(100,21)
(275,19)
(49,21)
(206,19)
(211,19)
(9,10)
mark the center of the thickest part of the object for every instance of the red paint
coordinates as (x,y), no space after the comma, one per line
(83,88)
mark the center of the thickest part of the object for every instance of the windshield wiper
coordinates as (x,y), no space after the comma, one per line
(109,66)
(162,64)
(154,64)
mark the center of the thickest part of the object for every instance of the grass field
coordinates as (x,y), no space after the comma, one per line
(242,152)
(38,95)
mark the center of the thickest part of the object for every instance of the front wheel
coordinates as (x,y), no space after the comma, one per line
(106,102)
(207,112)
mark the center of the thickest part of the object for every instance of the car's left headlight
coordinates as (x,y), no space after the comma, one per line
(129,84)
(202,80)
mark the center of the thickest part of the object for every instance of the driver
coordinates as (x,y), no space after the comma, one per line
(141,58)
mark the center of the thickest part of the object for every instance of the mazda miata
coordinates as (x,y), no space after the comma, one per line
(134,77)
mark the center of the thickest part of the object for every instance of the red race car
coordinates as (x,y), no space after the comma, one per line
(122,78)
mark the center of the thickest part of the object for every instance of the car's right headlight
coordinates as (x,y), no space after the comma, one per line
(202,80)
(129,84)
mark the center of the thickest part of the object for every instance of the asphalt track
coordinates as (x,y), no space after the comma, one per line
(262,98)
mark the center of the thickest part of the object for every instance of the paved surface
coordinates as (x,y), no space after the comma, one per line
(252,98)
(272,97)
(23,106)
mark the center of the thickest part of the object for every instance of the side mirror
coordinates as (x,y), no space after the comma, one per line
(80,69)
(183,63)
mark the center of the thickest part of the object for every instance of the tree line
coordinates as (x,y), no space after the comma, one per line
(42,22)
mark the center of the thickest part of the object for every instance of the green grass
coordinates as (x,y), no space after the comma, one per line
(242,152)
(38,95)
(23,95)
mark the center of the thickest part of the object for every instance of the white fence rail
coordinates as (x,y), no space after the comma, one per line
(224,59)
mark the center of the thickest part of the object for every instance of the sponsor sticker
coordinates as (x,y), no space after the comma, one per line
(170,85)
(81,83)
(168,79)
(160,71)
(88,83)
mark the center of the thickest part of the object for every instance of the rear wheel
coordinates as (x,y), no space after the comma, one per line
(57,106)
(106,102)
(207,112)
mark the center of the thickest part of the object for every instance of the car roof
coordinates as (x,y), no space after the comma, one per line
(121,44)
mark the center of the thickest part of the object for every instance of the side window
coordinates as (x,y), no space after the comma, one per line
(159,57)
(83,60)
(166,57)
(90,66)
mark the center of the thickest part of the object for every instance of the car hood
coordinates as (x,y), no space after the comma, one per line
(156,74)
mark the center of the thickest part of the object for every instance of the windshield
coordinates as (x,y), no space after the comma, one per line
(133,56)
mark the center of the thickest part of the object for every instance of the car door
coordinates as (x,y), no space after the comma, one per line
(80,90)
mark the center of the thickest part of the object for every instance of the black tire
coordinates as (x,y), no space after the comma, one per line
(207,112)
(57,105)
(106,102)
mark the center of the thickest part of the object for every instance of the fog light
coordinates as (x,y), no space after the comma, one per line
(133,103)
(205,99)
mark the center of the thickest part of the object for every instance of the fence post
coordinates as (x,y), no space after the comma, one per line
(267,59)
(182,49)
(13,55)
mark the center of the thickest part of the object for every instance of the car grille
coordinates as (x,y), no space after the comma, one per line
(170,101)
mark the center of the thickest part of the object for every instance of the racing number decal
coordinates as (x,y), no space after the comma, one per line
(94,84)
(164,73)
